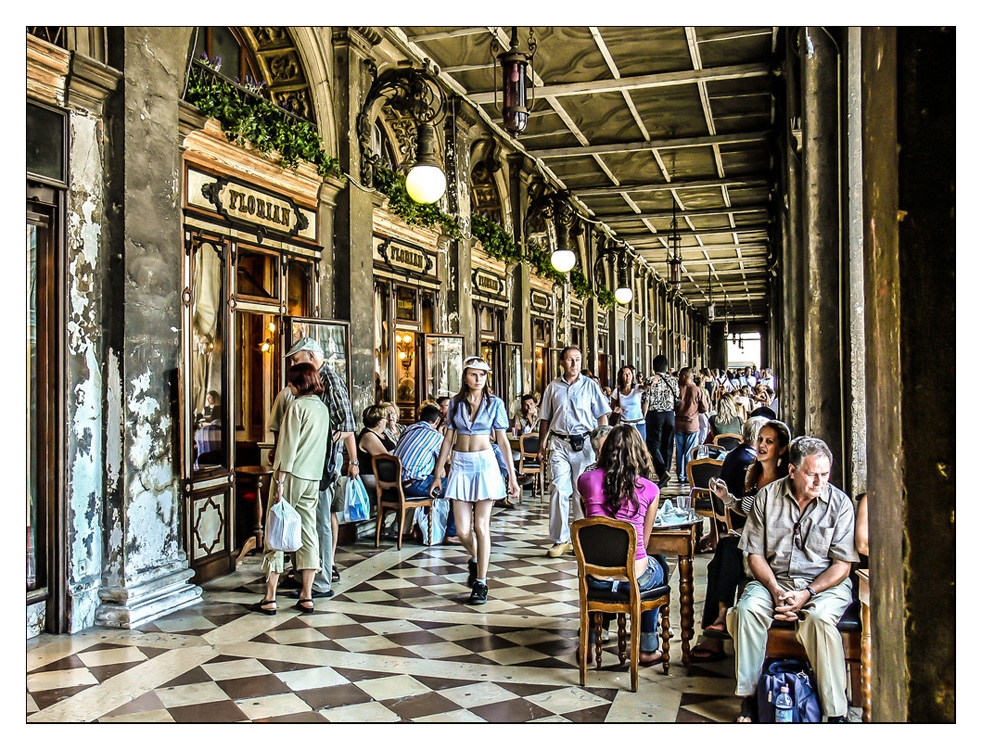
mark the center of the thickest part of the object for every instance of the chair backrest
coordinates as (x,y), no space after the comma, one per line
(388,473)
(530,444)
(604,546)
(701,471)
(728,440)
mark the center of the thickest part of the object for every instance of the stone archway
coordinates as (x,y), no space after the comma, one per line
(279,60)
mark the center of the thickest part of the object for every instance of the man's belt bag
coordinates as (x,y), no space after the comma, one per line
(575,441)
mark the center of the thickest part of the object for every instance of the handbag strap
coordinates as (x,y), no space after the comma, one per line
(669,384)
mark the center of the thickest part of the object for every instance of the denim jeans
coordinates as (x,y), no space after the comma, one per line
(684,443)
(641,427)
(652,576)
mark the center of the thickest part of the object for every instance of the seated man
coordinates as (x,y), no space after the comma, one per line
(418,449)
(800,543)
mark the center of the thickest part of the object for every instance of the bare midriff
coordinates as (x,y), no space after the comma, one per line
(472,443)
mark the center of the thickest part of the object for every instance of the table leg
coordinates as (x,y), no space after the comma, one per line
(687,621)
(866,662)
(258,531)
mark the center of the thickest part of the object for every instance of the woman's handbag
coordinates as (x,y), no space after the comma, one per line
(283,527)
(355,501)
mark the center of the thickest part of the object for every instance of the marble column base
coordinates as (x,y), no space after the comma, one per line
(132,606)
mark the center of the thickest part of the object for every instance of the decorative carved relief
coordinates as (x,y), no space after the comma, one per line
(297,102)
(284,68)
(272,36)
(280,64)
(404,128)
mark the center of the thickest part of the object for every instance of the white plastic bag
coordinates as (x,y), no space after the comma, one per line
(355,501)
(283,527)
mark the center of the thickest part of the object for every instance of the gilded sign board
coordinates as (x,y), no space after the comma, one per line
(413,261)
(540,301)
(488,284)
(244,204)
(576,310)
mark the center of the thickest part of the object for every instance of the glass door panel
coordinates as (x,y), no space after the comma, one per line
(332,335)
(443,364)
(513,378)
(208,360)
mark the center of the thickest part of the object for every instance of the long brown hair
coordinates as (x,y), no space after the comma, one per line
(783,439)
(624,459)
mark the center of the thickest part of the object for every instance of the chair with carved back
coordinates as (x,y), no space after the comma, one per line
(728,440)
(605,547)
(529,463)
(390,496)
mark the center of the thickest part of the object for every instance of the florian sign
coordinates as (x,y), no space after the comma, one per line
(243,204)
(404,258)
(540,301)
(488,285)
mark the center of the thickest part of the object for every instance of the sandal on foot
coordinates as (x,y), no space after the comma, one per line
(258,607)
(703,654)
(748,711)
(647,658)
(308,610)
(335,575)
(716,630)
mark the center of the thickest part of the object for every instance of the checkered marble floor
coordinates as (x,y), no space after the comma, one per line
(397,642)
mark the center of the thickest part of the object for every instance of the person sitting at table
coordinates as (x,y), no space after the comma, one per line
(372,441)
(393,429)
(297,470)
(726,420)
(725,570)
(527,419)
(622,488)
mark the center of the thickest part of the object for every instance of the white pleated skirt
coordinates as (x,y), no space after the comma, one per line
(475,476)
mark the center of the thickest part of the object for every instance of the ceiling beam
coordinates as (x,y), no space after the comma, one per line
(682,214)
(654,80)
(690,142)
(449,33)
(654,187)
(636,238)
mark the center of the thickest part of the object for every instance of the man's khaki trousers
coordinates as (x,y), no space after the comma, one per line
(748,621)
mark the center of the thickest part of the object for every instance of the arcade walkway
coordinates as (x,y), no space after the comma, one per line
(396,643)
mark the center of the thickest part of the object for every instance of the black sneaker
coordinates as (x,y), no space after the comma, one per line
(479,593)
(471,572)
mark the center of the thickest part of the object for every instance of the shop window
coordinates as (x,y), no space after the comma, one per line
(427,312)
(300,284)
(381,348)
(46,143)
(208,376)
(406,373)
(258,364)
(257,275)
(405,304)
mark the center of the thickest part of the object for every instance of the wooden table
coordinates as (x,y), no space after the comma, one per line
(681,541)
(253,475)
(866,656)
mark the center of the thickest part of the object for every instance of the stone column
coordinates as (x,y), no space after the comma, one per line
(822,246)
(146,571)
(352,252)
(459,285)
(521,320)
(592,339)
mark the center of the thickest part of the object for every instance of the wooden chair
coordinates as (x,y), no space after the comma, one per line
(699,473)
(728,441)
(529,462)
(606,547)
(389,495)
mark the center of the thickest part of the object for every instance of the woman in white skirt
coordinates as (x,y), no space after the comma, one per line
(474,419)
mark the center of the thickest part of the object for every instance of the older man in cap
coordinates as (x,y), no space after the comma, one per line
(335,397)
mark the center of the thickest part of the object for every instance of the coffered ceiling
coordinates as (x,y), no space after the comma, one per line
(635,120)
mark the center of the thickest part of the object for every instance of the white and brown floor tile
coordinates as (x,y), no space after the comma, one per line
(397,643)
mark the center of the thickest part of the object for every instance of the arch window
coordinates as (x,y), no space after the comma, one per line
(220,43)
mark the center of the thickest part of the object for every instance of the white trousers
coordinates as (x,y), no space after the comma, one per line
(748,621)
(565,467)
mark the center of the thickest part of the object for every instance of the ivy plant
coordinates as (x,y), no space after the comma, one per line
(392,184)
(246,117)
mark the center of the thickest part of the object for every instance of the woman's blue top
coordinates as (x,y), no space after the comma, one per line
(489,417)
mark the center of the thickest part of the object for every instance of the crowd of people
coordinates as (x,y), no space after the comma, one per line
(609,453)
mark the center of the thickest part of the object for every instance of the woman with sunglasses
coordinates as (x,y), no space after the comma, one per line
(475,418)
(725,570)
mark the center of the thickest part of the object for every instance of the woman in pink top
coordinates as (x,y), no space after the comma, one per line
(621,488)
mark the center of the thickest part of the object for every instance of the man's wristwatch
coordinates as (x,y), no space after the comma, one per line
(352,463)
(811,591)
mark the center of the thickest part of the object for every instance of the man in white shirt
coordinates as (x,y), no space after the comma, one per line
(572,406)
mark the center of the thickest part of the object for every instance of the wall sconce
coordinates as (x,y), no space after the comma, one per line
(405,350)
(624,293)
(711,310)
(417,92)
(554,207)
(514,112)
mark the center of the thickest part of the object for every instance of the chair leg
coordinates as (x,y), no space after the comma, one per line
(664,636)
(584,640)
(429,532)
(622,637)
(378,526)
(635,647)
(598,645)
(402,526)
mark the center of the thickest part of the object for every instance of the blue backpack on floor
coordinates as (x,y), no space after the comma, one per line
(797,675)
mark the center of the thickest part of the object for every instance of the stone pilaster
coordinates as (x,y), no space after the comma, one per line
(459,285)
(145,572)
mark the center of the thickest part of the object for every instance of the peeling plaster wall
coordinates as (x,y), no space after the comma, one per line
(84,352)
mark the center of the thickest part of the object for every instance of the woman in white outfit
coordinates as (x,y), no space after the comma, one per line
(474,419)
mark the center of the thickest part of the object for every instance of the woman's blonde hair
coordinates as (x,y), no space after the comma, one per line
(726,411)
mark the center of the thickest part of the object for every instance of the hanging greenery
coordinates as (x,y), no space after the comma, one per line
(392,184)
(246,117)
(497,243)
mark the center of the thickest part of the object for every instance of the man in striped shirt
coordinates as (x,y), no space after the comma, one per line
(418,450)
